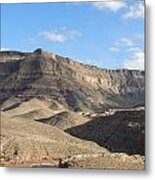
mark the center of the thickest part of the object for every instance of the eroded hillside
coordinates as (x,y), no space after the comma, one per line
(75,85)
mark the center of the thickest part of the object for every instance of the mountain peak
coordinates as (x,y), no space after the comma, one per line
(46,54)
(38,51)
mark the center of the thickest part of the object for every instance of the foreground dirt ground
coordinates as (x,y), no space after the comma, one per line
(29,142)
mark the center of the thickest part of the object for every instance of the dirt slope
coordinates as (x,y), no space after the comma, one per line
(30,143)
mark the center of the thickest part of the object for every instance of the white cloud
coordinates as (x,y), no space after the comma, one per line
(53,36)
(133,49)
(114,49)
(136,61)
(110,5)
(4,49)
(135,11)
(60,37)
(127,42)
(131,44)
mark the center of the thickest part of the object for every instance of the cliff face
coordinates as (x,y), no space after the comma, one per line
(75,85)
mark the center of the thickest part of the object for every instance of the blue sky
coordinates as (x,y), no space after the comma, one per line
(108,34)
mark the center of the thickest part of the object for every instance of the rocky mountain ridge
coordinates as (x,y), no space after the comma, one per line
(77,86)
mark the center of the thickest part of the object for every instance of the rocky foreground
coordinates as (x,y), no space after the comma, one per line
(34,135)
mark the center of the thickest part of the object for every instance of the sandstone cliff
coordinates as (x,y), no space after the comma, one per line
(77,86)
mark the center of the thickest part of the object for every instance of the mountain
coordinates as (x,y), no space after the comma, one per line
(76,86)
(56,112)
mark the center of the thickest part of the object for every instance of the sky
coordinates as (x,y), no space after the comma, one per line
(108,34)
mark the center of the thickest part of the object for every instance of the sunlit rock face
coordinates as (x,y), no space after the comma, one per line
(75,85)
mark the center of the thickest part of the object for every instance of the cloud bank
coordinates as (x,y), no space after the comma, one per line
(135,10)
(111,5)
(136,61)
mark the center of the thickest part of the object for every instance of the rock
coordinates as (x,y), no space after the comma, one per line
(38,51)
(77,86)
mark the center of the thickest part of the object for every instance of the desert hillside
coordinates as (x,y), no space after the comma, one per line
(29,143)
(56,112)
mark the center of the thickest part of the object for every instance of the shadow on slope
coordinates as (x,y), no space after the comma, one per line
(64,120)
(121,132)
